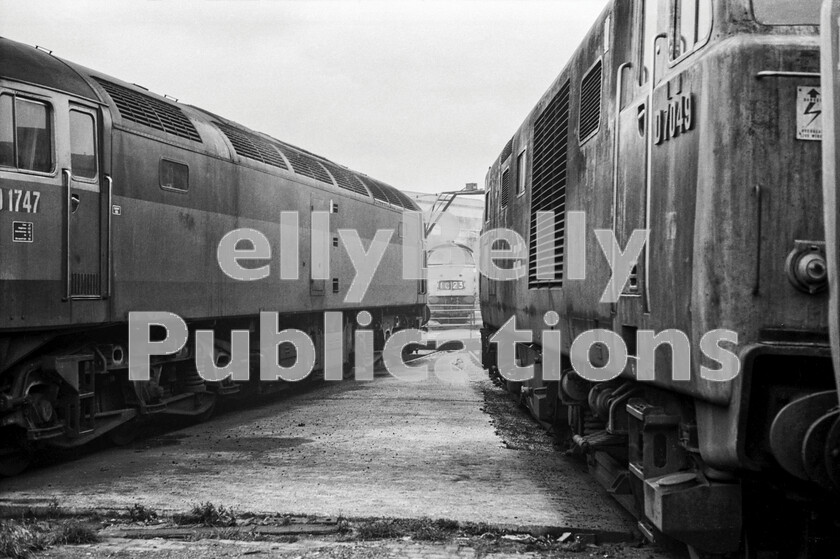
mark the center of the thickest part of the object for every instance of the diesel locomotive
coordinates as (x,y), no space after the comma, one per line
(697,123)
(452,284)
(114,200)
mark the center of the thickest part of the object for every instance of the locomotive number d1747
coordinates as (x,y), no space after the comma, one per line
(19,200)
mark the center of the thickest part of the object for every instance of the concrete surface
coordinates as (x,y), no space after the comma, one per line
(324,549)
(385,448)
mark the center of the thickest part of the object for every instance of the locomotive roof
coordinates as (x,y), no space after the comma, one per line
(31,65)
(26,64)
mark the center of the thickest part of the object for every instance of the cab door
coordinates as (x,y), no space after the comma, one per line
(634,128)
(87,210)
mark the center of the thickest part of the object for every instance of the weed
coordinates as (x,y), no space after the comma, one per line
(207,514)
(478,529)
(73,533)
(18,540)
(378,530)
(140,513)
(424,529)
(53,509)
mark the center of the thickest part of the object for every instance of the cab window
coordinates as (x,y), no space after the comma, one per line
(25,134)
(82,145)
(521,173)
(176,176)
(691,27)
(650,10)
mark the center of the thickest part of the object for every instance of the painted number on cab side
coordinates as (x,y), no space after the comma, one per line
(19,200)
(677,119)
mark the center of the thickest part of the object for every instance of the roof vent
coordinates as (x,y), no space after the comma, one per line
(590,103)
(252,146)
(148,111)
(389,194)
(306,166)
(346,180)
(548,188)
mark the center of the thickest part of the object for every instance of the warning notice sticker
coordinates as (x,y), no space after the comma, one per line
(22,231)
(808,113)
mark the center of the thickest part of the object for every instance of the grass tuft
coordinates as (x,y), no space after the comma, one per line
(140,513)
(207,514)
(18,541)
(424,529)
(73,533)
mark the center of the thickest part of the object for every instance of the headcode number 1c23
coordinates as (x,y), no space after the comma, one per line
(19,200)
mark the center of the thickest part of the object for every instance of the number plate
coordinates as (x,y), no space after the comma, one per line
(19,200)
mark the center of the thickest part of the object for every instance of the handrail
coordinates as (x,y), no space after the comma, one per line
(109,244)
(757,284)
(619,93)
(649,173)
(782,74)
(617,119)
(68,212)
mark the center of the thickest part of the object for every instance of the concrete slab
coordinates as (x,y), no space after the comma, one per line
(359,449)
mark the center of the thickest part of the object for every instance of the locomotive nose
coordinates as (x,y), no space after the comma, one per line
(807,268)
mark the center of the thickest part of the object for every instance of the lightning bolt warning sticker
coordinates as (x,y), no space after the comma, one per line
(808,113)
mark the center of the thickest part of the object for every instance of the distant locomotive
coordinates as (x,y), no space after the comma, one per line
(114,200)
(452,284)
(698,122)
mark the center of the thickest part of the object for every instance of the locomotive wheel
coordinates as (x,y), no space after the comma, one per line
(124,434)
(513,387)
(14,458)
(832,454)
(695,553)
(208,413)
(791,425)
(814,448)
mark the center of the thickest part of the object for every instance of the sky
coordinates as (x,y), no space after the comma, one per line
(421,94)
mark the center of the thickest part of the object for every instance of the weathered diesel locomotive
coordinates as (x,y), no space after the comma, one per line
(698,122)
(113,200)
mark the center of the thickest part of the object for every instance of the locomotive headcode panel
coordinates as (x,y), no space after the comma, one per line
(690,132)
(114,201)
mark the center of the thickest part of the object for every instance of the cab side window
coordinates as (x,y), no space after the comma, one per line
(82,145)
(649,19)
(25,134)
(691,27)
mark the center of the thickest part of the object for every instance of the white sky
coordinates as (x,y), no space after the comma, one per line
(420,94)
